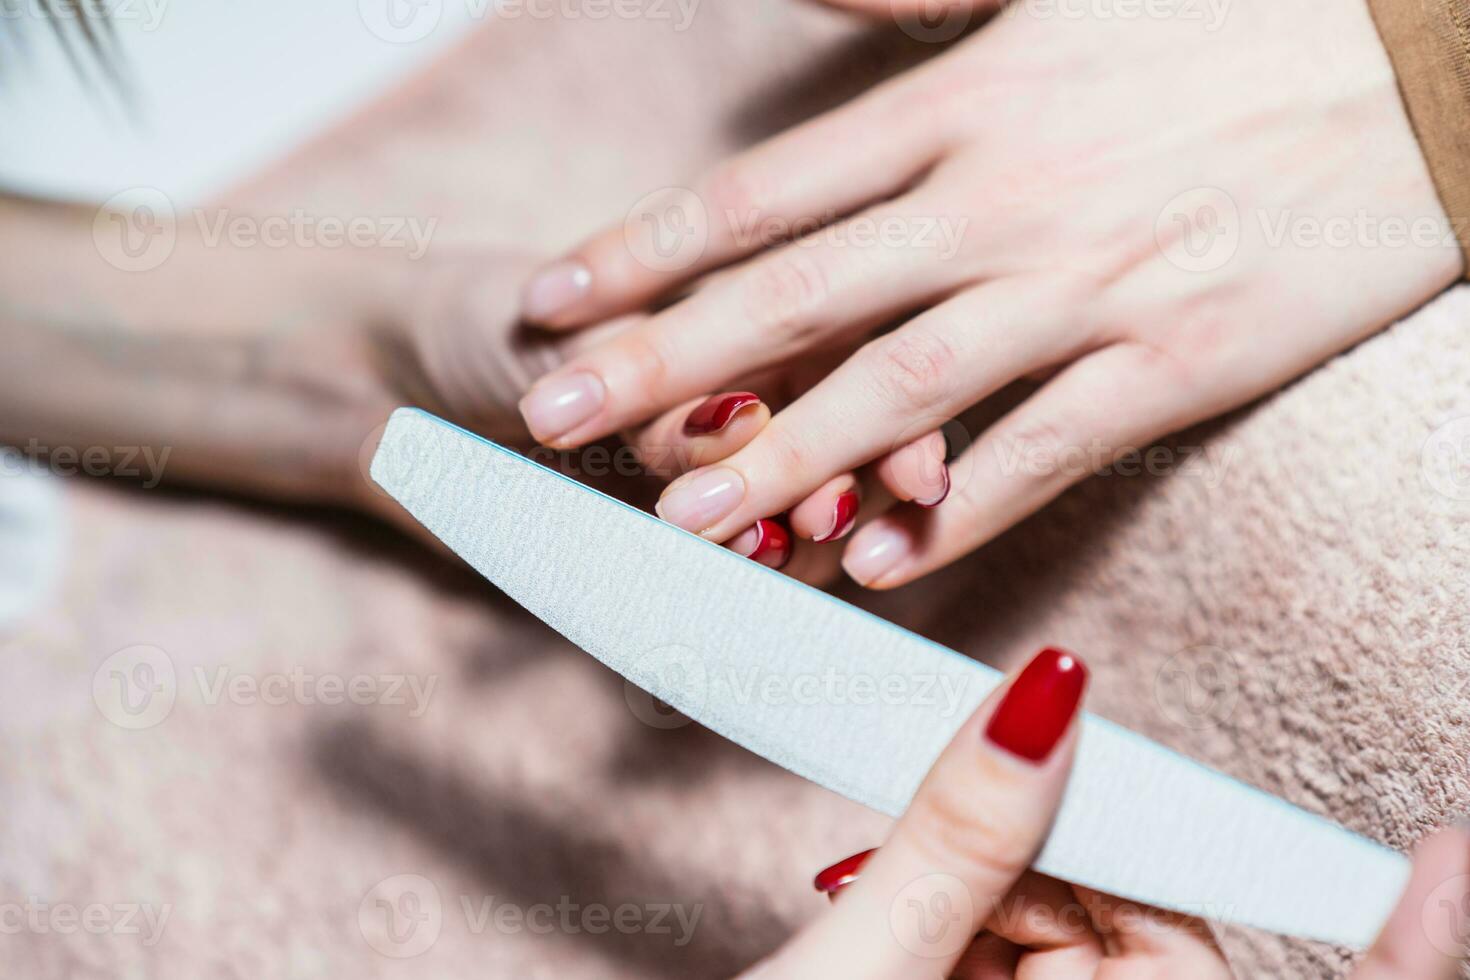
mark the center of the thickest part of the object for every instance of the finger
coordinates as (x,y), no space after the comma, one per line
(1050,441)
(1168,942)
(816,565)
(972,829)
(783,303)
(1426,934)
(699,432)
(896,387)
(917,472)
(786,187)
(767,542)
(830,512)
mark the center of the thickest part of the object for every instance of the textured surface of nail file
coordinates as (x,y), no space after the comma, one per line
(859,705)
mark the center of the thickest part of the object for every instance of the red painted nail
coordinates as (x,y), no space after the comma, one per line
(1036,710)
(832,880)
(938,499)
(716,411)
(772,546)
(844,516)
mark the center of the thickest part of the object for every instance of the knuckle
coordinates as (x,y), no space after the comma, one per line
(783,453)
(1035,447)
(782,295)
(646,359)
(911,368)
(986,843)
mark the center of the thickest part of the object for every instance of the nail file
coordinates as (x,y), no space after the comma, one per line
(859,705)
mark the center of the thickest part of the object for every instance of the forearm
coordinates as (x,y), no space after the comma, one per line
(221,366)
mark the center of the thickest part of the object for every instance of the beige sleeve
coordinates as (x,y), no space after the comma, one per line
(1429,44)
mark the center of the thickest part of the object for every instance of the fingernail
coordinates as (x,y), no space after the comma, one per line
(703,500)
(875,552)
(767,542)
(844,516)
(716,412)
(554,289)
(938,498)
(1034,714)
(560,403)
(832,880)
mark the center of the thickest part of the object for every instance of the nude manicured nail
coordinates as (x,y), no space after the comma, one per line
(554,289)
(1039,705)
(767,543)
(844,516)
(701,501)
(717,411)
(876,551)
(837,877)
(560,403)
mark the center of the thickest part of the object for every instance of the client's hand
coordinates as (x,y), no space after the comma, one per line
(949,894)
(1171,215)
(271,371)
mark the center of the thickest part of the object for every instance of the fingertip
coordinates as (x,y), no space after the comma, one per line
(877,556)
(552,296)
(830,512)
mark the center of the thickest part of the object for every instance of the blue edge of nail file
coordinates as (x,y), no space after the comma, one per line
(730,644)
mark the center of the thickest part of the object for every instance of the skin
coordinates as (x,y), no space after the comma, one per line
(941,856)
(1138,199)
(254,341)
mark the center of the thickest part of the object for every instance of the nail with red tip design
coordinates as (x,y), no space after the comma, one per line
(1039,706)
(716,411)
(938,498)
(832,880)
(767,542)
(844,516)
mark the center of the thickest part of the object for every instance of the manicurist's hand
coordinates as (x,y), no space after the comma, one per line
(949,893)
(1165,215)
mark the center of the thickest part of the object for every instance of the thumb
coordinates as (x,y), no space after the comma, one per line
(973,828)
(1425,938)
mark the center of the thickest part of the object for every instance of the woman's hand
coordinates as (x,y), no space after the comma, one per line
(949,894)
(272,370)
(1169,214)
